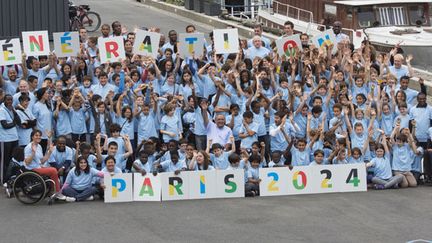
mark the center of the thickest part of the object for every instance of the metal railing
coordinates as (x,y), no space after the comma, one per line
(292,12)
(244,11)
(306,16)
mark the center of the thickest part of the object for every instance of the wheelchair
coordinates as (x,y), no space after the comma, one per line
(29,187)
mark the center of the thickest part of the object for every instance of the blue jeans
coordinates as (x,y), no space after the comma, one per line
(80,195)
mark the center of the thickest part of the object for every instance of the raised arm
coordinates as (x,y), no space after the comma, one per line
(98,149)
(24,66)
(347,121)
(204,107)
(119,105)
(412,143)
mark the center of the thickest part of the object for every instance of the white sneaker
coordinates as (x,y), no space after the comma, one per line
(91,198)
(60,196)
(8,192)
(70,199)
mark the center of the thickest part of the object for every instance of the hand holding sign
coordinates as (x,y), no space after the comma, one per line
(190,44)
(146,43)
(66,44)
(36,43)
(326,39)
(10,52)
(226,41)
(289,46)
(111,49)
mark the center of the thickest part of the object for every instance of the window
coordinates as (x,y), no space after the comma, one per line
(417,13)
(366,17)
(392,16)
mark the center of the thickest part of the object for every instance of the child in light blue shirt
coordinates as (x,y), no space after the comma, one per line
(383,177)
(79,182)
(248,131)
(252,184)
(142,165)
(174,165)
(219,158)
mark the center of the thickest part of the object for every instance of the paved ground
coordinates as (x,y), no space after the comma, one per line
(375,216)
(134,14)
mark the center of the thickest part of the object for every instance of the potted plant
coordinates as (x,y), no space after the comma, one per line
(212,8)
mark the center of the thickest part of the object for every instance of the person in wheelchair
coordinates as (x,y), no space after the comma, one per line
(61,158)
(36,161)
(79,184)
(14,169)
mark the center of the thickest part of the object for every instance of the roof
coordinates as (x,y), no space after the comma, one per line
(376,2)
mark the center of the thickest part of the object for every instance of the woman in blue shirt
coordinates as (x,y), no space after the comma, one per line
(28,122)
(35,160)
(42,110)
(79,182)
(9,120)
(124,117)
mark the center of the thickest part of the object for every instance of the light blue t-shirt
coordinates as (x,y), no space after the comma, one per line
(221,162)
(146,127)
(40,74)
(403,157)
(253,52)
(9,134)
(78,118)
(83,180)
(201,167)
(43,116)
(382,168)
(64,158)
(63,124)
(252,173)
(169,166)
(116,170)
(35,163)
(300,158)
(171,124)
(147,167)
(422,116)
(249,140)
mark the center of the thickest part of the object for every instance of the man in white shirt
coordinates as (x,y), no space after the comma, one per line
(217,131)
(257,50)
(337,27)
(258,30)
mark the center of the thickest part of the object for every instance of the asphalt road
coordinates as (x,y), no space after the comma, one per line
(134,14)
(374,216)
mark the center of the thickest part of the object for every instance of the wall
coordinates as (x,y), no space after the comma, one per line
(28,15)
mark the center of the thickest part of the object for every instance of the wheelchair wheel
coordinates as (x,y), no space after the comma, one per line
(29,188)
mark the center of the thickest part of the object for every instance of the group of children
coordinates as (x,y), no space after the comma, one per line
(150,115)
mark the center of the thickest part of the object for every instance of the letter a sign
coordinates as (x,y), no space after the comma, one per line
(111,49)
(146,43)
